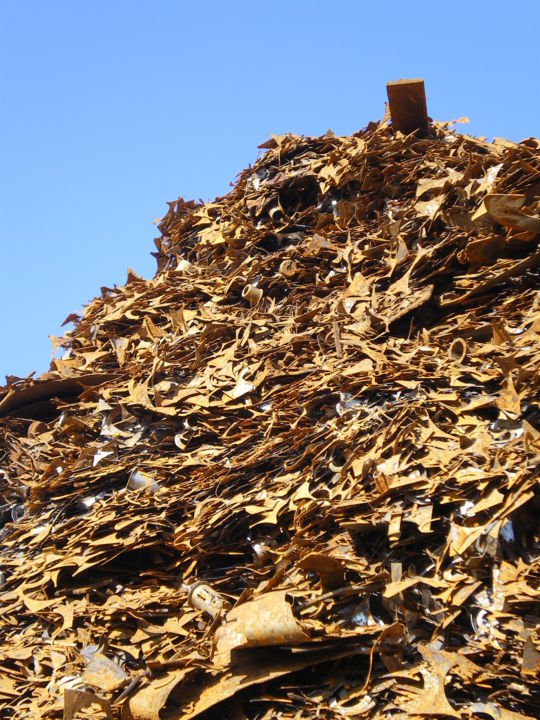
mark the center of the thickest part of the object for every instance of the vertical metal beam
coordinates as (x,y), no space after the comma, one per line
(408,109)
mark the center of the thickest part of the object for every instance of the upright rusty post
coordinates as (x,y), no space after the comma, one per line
(408,110)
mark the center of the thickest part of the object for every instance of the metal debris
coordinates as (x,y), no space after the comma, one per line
(295,474)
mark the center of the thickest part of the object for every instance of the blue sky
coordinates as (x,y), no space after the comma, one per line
(112,108)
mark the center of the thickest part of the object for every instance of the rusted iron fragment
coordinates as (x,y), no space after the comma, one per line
(408,109)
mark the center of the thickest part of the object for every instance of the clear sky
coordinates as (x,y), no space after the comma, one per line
(110,108)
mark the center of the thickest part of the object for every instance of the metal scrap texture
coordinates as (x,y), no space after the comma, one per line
(295,474)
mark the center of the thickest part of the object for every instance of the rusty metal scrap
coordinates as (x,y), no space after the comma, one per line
(295,474)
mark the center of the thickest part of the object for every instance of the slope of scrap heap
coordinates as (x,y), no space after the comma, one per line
(295,474)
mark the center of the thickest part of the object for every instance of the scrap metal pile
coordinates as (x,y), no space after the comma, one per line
(295,474)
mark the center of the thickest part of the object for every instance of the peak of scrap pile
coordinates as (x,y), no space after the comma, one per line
(295,474)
